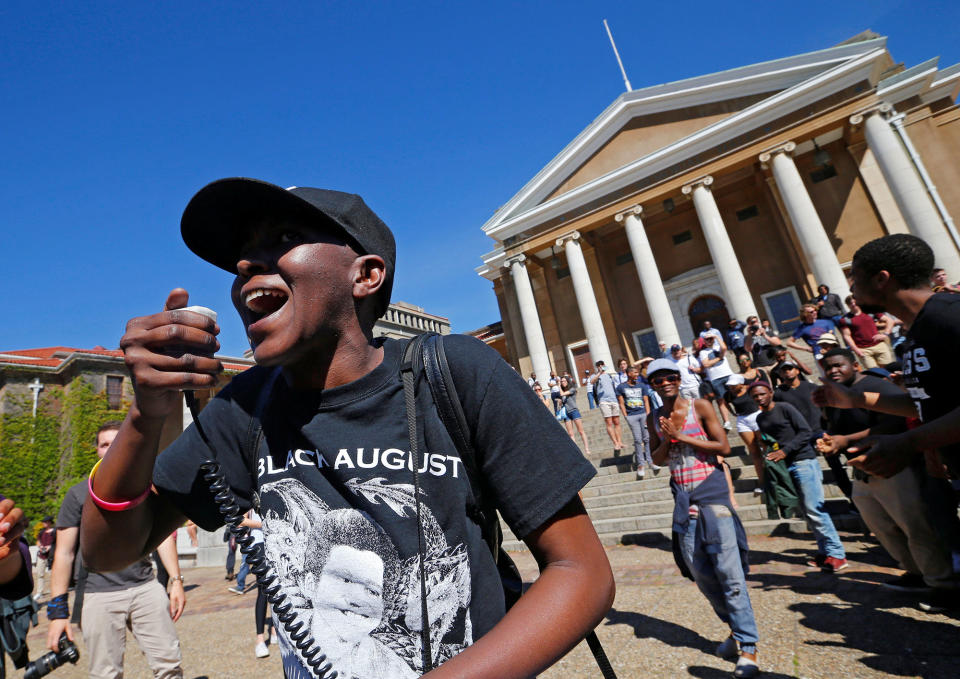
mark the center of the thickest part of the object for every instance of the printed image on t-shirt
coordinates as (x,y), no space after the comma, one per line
(351,590)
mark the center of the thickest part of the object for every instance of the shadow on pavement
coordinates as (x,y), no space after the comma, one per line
(654,540)
(898,645)
(645,626)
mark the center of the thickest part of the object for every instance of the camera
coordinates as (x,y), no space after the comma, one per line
(754,328)
(45,664)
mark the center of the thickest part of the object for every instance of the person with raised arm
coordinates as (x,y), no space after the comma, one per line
(313,270)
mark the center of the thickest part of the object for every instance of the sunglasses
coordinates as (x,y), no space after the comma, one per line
(659,381)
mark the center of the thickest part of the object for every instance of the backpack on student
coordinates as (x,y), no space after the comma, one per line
(425,355)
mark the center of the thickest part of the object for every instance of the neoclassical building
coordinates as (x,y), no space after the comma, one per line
(722,196)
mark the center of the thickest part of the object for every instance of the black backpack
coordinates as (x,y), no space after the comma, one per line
(425,355)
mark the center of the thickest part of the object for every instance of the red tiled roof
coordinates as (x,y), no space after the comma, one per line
(48,352)
(48,356)
(52,362)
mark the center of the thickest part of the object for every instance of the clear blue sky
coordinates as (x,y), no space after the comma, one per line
(114,114)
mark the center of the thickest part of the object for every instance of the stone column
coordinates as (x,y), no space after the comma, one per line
(739,299)
(908,191)
(653,291)
(586,301)
(813,239)
(530,318)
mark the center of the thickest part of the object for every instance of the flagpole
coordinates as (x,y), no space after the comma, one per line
(626,81)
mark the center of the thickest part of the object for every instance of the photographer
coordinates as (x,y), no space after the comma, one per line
(759,341)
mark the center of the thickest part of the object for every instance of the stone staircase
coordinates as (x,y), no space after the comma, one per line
(626,510)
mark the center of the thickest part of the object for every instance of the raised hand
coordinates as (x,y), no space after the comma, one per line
(11,528)
(882,455)
(834,395)
(168,352)
(831,445)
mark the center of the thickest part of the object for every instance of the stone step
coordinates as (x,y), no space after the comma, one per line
(615,532)
(618,506)
(637,493)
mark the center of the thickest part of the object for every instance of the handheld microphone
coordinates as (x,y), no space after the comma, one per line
(188,393)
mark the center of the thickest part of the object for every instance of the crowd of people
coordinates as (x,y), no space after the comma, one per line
(874,392)
(367,523)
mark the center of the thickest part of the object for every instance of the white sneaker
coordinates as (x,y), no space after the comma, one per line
(656,467)
(746,668)
(728,648)
(261,650)
(728,425)
(640,473)
(273,637)
(758,491)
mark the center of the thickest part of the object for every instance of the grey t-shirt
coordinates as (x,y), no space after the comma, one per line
(131,576)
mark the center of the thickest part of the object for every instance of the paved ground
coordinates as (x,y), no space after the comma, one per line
(812,624)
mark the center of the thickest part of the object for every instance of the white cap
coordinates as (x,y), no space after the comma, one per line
(734,380)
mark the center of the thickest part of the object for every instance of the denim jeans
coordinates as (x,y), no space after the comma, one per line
(244,570)
(720,577)
(807,477)
(641,438)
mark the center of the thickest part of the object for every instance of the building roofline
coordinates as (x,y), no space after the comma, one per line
(764,76)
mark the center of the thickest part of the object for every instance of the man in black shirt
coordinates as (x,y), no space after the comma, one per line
(892,508)
(784,423)
(891,274)
(796,391)
(313,271)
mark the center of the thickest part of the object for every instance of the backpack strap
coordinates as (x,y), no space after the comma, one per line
(410,356)
(255,431)
(437,371)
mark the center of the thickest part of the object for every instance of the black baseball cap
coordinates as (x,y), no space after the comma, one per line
(218,219)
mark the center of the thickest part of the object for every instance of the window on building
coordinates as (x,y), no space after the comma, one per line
(823,173)
(681,237)
(646,343)
(625,258)
(747,213)
(114,392)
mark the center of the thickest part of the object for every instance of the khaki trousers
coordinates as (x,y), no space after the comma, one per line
(879,354)
(145,610)
(893,509)
(40,570)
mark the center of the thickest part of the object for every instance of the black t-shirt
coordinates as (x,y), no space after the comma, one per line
(929,363)
(335,486)
(801,398)
(852,420)
(787,426)
(131,576)
(742,404)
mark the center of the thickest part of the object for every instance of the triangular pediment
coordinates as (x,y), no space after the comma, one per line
(674,118)
(645,134)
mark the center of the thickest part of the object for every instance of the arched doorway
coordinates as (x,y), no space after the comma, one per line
(708,308)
